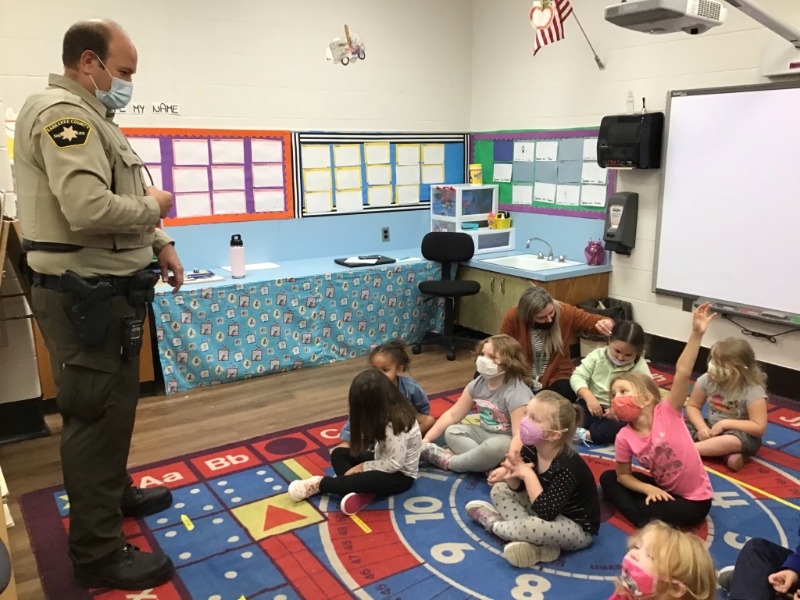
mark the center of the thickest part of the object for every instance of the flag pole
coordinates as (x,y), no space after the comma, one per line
(597,59)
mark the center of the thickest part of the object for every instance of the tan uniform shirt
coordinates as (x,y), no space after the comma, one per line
(80,183)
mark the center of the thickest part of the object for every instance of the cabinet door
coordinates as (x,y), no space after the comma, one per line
(473,310)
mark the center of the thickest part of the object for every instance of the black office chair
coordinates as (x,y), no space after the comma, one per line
(5,565)
(447,248)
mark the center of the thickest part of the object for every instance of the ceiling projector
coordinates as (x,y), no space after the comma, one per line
(667,16)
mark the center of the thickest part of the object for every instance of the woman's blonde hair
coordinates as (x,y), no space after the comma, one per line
(738,358)
(683,564)
(643,384)
(511,355)
(533,301)
(565,416)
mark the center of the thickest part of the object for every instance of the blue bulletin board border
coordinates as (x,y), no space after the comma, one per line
(455,166)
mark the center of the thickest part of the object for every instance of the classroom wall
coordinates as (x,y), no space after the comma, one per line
(562,87)
(261,64)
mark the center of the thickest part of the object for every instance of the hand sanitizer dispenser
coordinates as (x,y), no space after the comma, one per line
(622,210)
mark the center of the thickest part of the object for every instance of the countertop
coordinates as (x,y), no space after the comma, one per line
(549,275)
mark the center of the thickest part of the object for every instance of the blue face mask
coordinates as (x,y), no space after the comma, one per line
(118,96)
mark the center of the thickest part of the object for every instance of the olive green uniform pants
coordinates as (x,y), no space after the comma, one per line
(97,397)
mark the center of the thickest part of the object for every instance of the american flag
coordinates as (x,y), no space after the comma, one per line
(553,29)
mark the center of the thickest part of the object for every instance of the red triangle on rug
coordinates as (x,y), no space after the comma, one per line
(275,516)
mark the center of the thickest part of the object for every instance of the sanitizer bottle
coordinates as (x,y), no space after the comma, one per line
(237,257)
(630,105)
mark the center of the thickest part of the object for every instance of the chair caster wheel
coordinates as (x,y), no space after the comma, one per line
(416,348)
(451,355)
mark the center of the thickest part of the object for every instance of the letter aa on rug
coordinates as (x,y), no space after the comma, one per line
(234,534)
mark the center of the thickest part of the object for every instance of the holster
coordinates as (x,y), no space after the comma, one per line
(142,289)
(91,311)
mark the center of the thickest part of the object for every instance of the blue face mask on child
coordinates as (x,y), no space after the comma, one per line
(616,362)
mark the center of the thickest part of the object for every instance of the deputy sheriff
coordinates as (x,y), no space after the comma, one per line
(89,223)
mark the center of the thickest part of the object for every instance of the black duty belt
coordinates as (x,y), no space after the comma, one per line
(119,285)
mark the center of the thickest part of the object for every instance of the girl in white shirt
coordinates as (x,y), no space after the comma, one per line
(379,416)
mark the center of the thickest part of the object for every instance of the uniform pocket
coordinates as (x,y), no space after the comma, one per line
(84,393)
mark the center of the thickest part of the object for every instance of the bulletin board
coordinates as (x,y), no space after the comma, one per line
(545,171)
(344,173)
(219,175)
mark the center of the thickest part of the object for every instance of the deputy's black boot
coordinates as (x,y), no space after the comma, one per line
(140,502)
(128,569)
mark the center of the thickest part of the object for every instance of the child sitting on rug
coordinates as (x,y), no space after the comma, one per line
(664,563)
(379,416)
(590,381)
(393,361)
(677,489)
(734,390)
(501,391)
(544,497)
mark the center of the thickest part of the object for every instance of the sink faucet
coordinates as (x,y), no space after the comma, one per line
(541,255)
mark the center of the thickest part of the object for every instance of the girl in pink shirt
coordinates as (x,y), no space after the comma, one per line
(677,489)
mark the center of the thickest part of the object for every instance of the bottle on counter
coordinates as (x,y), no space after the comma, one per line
(237,257)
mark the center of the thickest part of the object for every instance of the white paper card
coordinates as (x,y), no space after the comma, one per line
(227,178)
(190,179)
(408,194)
(347,155)
(593,173)
(407,154)
(593,195)
(380,195)
(544,192)
(155,173)
(148,149)
(407,175)
(192,205)
(521,194)
(547,151)
(317,180)
(590,149)
(269,201)
(227,152)
(433,154)
(377,153)
(229,203)
(255,266)
(502,172)
(349,201)
(268,151)
(379,174)
(523,151)
(190,152)
(315,156)
(348,179)
(569,195)
(432,173)
(317,202)
(268,175)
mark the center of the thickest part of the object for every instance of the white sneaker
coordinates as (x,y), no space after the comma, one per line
(300,489)
(724,578)
(582,435)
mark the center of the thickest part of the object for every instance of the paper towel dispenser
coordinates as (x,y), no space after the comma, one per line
(630,141)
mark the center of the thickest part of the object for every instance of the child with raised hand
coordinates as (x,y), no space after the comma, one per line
(392,360)
(379,416)
(545,497)
(501,391)
(734,390)
(677,489)
(590,381)
(664,563)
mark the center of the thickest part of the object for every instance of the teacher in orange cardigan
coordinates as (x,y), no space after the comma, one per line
(544,327)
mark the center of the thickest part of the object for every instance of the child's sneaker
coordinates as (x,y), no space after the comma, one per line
(724,578)
(483,513)
(354,502)
(523,554)
(582,435)
(301,489)
(436,455)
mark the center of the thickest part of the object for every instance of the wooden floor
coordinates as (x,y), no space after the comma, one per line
(168,426)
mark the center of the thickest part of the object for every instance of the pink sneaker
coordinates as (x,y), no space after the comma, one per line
(484,513)
(301,489)
(436,455)
(354,502)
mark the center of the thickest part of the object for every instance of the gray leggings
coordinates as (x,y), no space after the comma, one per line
(520,523)
(476,450)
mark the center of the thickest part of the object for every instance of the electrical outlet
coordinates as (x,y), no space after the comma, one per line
(385,234)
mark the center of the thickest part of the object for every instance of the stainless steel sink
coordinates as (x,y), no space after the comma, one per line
(530,262)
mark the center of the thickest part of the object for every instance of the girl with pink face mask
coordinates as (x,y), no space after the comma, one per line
(677,489)
(544,497)
(664,563)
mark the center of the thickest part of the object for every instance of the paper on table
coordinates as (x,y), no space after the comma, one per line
(569,195)
(593,173)
(269,200)
(379,174)
(433,154)
(315,156)
(256,266)
(227,152)
(523,151)
(544,192)
(227,178)
(267,175)
(190,152)
(593,195)
(407,154)
(229,203)
(502,172)
(190,179)
(377,153)
(148,149)
(521,194)
(349,200)
(348,178)
(355,260)
(164,285)
(192,205)
(268,151)
(590,149)
(547,151)
(347,155)
(407,175)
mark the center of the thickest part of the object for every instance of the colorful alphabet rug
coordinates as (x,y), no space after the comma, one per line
(234,534)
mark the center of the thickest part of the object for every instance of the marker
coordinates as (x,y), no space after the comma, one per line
(187,522)
(364,527)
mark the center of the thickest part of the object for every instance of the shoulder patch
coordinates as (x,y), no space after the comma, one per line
(68,132)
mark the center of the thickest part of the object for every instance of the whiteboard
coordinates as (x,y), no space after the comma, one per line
(729,214)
